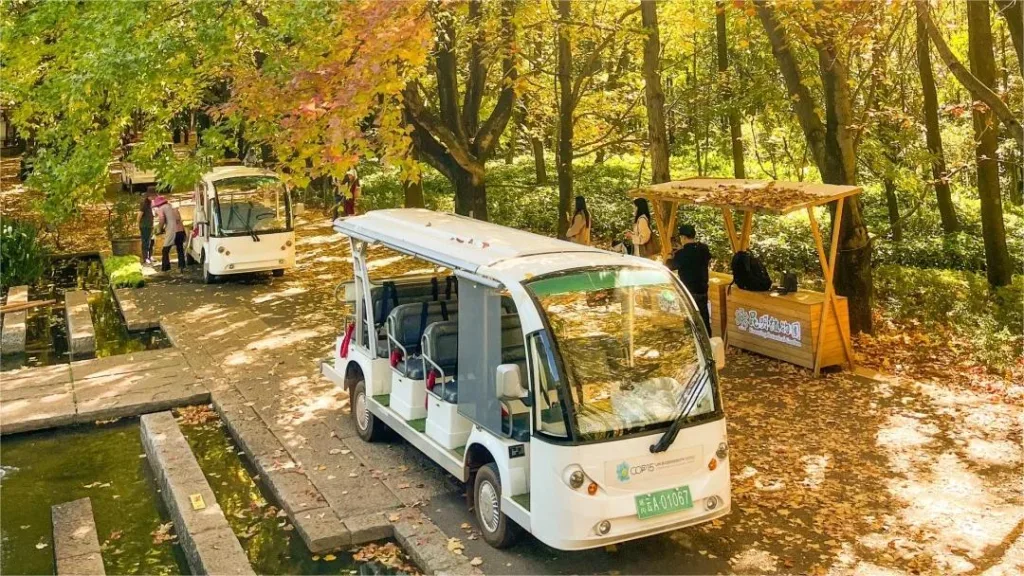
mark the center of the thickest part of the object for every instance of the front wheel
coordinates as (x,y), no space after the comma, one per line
(278,272)
(368,426)
(208,277)
(497,529)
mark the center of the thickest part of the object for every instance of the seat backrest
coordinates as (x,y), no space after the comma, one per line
(513,347)
(441,345)
(407,322)
(391,294)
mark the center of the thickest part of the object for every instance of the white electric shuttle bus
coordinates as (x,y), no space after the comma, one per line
(242,223)
(574,390)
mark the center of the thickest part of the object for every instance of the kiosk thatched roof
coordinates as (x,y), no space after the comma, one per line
(765,196)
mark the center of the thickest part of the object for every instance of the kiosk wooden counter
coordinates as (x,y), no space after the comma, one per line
(806,328)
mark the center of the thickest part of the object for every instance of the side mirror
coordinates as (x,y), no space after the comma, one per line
(718,352)
(508,381)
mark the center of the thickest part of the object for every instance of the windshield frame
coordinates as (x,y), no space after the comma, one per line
(215,195)
(575,437)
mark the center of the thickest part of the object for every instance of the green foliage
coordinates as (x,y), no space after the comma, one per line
(124,271)
(992,320)
(22,254)
(123,217)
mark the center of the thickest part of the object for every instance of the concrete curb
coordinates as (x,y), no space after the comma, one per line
(81,335)
(209,544)
(134,318)
(13,339)
(76,548)
(427,545)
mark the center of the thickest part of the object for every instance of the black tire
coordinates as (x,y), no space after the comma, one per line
(208,278)
(278,272)
(496,528)
(368,426)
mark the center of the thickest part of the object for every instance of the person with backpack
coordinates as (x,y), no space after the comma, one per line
(641,234)
(692,261)
(579,231)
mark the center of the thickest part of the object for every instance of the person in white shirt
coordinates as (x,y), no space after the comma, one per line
(174,232)
(640,235)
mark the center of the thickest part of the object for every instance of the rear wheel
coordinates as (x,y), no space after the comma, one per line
(368,426)
(496,528)
(278,272)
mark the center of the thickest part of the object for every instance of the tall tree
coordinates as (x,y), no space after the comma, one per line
(654,94)
(735,130)
(1013,12)
(833,147)
(453,140)
(978,88)
(933,135)
(566,105)
(983,67)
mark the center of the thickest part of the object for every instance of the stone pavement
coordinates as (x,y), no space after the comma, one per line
(97,389)
(76,548)
(293,426)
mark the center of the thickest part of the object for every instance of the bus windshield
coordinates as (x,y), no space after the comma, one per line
(628,350)
(247,205)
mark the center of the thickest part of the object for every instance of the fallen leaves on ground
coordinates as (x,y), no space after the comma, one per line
(163,533)
(388,554)
(197,415)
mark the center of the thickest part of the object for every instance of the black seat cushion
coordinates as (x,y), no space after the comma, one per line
(520,427)
(449,393)
(411,367)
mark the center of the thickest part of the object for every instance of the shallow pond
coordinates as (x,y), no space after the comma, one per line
(46,328)
(106,464)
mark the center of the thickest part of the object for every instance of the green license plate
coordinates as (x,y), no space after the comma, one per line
(663,502)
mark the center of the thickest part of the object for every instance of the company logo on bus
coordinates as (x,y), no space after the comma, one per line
(623,472)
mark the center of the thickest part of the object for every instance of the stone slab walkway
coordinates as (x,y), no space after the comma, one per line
(81,334)
(205,535)
(97,389)
(76,548)
(135,318)
(13,338)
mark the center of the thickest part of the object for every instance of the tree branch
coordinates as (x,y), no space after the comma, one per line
(432,124)
(976,87)
(477,72)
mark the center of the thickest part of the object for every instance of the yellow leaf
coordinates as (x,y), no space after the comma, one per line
(330,557)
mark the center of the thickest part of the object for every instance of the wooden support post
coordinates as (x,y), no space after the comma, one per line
(748,223)
(828,267)
(730,227)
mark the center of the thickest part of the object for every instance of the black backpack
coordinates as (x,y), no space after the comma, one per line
(749,274)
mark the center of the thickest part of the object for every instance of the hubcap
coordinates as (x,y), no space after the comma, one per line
(488,506)
(362,414)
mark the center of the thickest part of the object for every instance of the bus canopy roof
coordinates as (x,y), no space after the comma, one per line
(766,196)
(224,172)
(457,242)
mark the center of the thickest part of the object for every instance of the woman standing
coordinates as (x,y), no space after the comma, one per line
(146,227)
(640,235)
(579,230)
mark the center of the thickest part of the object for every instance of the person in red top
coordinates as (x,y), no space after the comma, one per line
(351,180)
(691,261)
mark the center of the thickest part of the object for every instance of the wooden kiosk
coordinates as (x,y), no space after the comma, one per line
(807,328)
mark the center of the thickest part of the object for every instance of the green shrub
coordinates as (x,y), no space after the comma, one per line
(124,271)
(22,254)
(991,319)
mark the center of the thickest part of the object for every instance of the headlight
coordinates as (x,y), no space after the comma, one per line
(723,451)
(576,479)
(288,243)
(220,248)
(603,527)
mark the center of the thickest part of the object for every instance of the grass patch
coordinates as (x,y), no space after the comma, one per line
(124,271)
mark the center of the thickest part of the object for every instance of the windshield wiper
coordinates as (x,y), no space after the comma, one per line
(248,225)
(686,405)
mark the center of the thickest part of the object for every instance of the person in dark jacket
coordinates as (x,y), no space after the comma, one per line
(146,225)
(691,261)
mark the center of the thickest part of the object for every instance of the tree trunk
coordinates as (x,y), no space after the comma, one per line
(413,193)
(736,133)
(933,136)
(538,160)
(470,194)
(654,94)
(853,277)
(893,206)
(1014,14)
(997,258)
(565,117)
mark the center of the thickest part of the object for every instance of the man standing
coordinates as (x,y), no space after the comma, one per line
(692,261)
(174,232)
